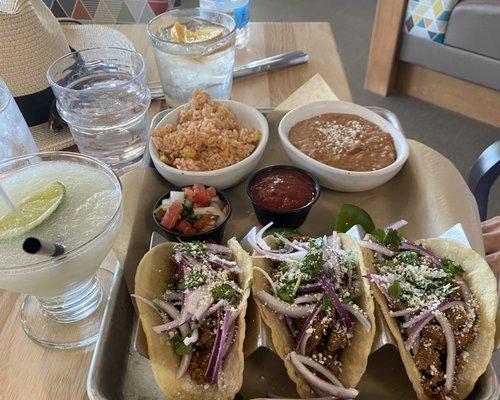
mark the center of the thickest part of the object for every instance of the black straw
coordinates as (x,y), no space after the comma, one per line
(37,246)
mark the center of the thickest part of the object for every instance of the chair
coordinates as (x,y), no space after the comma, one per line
(482,176)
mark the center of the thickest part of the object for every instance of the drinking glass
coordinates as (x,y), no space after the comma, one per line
(66,294)
(15,136)
(184,67)
(104,97)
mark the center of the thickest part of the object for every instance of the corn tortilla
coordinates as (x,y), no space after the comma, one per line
(354,358)
(482,283)
(153,275)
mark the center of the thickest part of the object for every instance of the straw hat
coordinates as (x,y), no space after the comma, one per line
(31,38)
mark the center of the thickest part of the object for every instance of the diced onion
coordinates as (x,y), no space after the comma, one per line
(451,349)
(209,210)
(176,196)
(281,307)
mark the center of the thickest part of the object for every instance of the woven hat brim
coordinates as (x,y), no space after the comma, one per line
(79,37)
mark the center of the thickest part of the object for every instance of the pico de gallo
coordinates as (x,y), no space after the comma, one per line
(194,209)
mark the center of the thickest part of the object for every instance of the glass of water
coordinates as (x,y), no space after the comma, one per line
(15,136)
(194,49)
(103,95)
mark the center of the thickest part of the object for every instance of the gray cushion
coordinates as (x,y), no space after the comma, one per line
(474,25)
(449,60)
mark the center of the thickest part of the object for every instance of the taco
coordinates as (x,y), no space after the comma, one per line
(192,299)
(439,299)
(320,311)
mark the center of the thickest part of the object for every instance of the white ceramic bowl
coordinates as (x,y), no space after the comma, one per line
(223,178)
(336,178)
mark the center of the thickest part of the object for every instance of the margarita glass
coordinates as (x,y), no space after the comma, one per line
(67,293)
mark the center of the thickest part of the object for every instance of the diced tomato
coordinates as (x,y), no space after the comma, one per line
(211,191)
(188,192)
(200,195)
(184,227)
(172,215)
(160,214)
(205,223)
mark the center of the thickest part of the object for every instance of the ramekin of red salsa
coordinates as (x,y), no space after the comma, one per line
(282,194)
(194,212)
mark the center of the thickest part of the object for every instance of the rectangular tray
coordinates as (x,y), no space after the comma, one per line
(119,372)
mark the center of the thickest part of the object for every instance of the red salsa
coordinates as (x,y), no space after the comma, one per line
(282,189)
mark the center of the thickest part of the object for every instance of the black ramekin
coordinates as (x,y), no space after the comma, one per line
(282,218)
(214,235)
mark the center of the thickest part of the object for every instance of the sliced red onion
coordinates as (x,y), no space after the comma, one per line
(172,313)
(424,319)
(214,308)
(289,310)
(289,243)
(217,248)
(444,305)
(145,301)
(221,262)
(406,245)
(303,337)
(310,288)
(183,366)
(403,313)
(191,339)
(259,237)
(451,349)
(381,281)
(330,291)
(379,248)
(182,264)
(170,326)
(320,368)
(319,383)
(268,254)
(308,298)
(466,293)
(359,315)
(396,225)
(217,355)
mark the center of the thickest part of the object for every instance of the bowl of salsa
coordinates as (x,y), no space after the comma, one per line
(196,212)
(282,194)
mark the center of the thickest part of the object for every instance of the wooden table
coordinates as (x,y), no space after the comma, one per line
(29,371)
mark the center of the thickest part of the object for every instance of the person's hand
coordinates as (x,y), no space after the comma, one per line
(491,237)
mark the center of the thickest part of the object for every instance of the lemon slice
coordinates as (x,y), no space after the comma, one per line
(180,34)
(32,211)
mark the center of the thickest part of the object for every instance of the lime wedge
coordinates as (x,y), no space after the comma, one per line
(32,211)
(350,215)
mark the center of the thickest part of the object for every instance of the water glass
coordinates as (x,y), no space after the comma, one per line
(184,67)
(15,136)
(104,97)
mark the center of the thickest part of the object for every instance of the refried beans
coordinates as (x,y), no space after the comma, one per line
(344,141)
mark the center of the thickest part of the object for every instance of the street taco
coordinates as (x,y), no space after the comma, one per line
(192,299)
(319,309)
(439,299)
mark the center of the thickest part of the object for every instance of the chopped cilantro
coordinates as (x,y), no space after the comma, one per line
(389,236)
(192,247)
(224,291)
(395,289)
(327,303)
(287,289)
(451,267)
(180,348)
(312,264)
(195,279)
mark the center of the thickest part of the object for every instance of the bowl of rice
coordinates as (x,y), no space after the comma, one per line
(218,142)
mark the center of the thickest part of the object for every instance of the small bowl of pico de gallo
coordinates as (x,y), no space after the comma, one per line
(196,212)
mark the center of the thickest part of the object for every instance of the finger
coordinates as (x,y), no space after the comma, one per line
(494,262)
(491,224)
(491,242)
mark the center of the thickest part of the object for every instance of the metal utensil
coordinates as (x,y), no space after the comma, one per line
(283,60)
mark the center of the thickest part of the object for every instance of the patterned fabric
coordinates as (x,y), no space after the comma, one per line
(428,18)
(110,11)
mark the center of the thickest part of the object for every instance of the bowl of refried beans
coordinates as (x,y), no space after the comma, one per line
(346,146)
